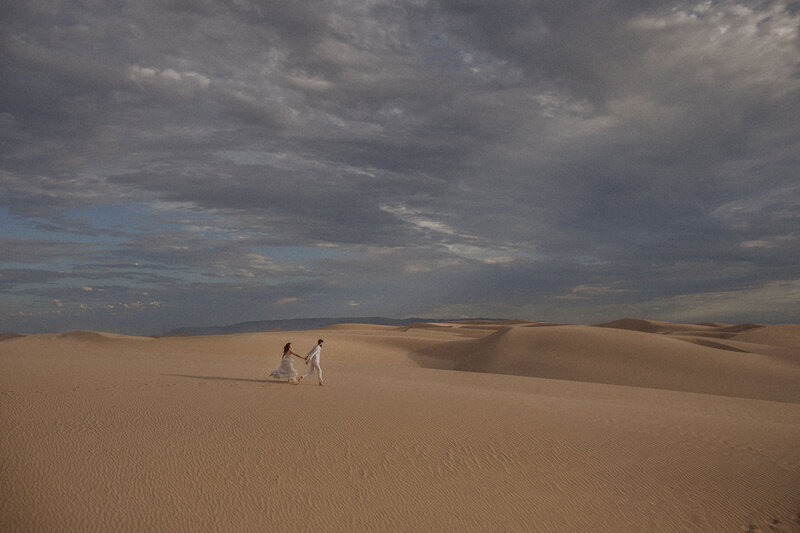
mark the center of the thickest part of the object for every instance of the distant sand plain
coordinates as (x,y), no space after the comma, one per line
(637,426)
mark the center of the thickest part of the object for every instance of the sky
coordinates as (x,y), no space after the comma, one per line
(169,163)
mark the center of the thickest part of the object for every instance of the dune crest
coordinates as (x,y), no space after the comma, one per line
(655,326)
(778,335)
(81,335)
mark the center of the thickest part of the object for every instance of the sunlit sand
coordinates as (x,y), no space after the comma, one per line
(512,426)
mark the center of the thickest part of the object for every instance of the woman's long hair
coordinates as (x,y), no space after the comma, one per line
(286,348)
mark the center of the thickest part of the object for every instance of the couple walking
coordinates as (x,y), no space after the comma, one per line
(286,370)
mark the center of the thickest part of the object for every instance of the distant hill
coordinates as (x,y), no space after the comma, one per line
(302,324)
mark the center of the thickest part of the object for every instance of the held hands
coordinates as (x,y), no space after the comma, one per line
(306,359)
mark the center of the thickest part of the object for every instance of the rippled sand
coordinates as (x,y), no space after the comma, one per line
(634,426)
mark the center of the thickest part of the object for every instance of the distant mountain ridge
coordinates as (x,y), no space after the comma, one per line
(303,324)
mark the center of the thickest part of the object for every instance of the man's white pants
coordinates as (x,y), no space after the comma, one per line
(314,365)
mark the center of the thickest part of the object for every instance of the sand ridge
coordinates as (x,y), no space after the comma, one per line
(453,428)
(778,335)
(626,357)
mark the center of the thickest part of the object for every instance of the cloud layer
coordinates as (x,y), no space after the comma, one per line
(170,163)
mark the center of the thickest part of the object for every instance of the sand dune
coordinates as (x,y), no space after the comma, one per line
(653,326)
(626,357)
(453,427)
(780,335)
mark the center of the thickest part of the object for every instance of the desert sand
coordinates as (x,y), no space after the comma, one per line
(633,425)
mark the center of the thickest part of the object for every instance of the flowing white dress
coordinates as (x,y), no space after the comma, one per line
(286,370)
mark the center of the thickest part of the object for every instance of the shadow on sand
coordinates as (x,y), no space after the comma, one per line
(220,378)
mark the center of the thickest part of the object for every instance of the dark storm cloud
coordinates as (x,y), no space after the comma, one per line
(518,157)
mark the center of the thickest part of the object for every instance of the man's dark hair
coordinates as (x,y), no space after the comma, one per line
(319,341)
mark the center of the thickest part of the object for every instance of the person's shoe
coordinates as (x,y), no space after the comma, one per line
(321,384)
(292,381)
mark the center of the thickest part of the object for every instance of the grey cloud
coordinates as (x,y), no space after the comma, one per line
(40,251)
(478,153)
(210,257)
(12,278)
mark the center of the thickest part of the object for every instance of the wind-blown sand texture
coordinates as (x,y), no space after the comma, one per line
(637,426)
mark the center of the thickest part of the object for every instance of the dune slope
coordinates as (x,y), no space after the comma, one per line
(624,357)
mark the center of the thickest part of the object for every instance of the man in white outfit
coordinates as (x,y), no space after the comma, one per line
(313,359)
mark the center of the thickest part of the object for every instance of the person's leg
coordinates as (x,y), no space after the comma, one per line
(319,371)
(310,371)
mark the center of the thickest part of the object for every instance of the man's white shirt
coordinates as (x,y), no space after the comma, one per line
(313,355)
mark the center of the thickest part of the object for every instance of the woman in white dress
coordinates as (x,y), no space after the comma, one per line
(286,370)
